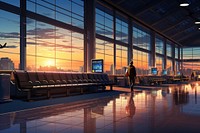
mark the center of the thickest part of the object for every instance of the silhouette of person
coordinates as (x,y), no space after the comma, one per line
(130,107)
(131,75)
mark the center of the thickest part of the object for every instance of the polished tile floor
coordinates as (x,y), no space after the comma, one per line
(174,109)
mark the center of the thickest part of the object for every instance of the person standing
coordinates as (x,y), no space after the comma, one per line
(132,75)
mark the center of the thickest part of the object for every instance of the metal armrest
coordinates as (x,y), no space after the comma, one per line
(13,83)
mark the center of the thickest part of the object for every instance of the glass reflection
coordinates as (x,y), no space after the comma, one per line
(145,110)
(130,107)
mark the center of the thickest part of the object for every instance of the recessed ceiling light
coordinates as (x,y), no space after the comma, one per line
(184,4)
(197,22)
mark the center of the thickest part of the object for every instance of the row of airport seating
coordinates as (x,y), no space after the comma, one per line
(157,80)
(30,82)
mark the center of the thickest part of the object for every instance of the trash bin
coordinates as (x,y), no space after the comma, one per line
(5,88)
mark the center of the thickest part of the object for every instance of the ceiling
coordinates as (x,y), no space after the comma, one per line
(165,17)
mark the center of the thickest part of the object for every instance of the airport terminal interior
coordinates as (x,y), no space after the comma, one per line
(63,65)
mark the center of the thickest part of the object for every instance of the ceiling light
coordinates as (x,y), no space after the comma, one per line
(197,22)
(184,4)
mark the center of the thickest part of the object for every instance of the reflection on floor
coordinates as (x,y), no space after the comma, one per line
(155,110)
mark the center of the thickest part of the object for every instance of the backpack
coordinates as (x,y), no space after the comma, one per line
(132,71)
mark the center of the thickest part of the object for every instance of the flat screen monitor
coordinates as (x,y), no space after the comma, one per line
(164,72)
(154,71)
(178,73)
(97,65)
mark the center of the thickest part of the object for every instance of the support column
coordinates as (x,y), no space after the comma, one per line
(22,35)
(114,35)
(165,54)
(89,36)
(181,51)
(130,40)
(179,59)
(173,59)
(153,50)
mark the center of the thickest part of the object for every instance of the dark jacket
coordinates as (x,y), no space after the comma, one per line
(132,71)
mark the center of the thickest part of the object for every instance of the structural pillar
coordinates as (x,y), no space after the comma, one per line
(89,36)
(130,40)
(153,50)
(22,35)
(179,59)
(181,51)
(173,59)
(165,54)
(114,35)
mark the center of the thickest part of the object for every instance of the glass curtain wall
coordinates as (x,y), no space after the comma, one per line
(141,62)
(121,59)
(104,47)
(141,38)
(169,67)
(54,47)
(159,44)
(159,64)
(177,63)
(104,23)
(10,37)
(191,60)
(49,47)
(63,48)
(70,11)
(104,50)
(169,50)
(169,64)
(141,58)
(121,30)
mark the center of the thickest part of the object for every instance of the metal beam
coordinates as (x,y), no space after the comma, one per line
(191,39)
(9,8)
(121,1)
(181,31)
(147,7)
(187,36)
(108,2)
(174,25)
(169,13)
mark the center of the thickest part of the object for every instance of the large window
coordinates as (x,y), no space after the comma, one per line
(159,63)
(177,66)
(169,66)
(104,23)
(176,52)
(121,29)
(141,62)
(188,67)
(141,38)
(191,57)
(169,50)
(70,11)
(104,50)
(53,48)
(10,34)
(159,46)
(191,53)
(121,59)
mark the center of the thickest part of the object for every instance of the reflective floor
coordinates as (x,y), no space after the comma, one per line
(174,109)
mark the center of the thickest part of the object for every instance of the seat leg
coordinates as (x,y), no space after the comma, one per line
(29,95)
(48,94)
